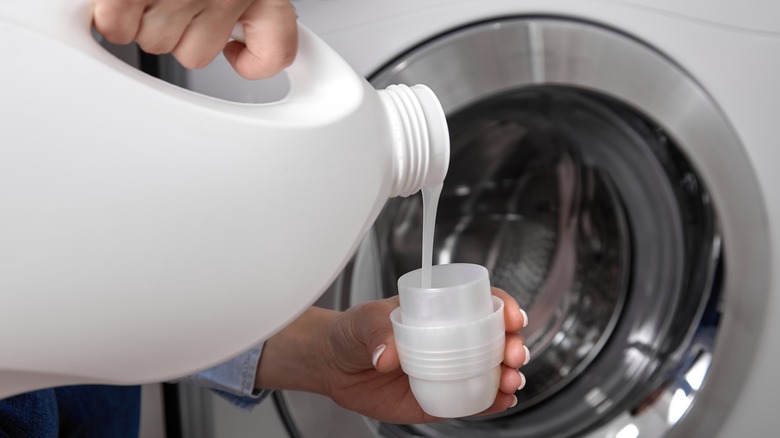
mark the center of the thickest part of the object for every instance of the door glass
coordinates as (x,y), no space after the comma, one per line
(521,199)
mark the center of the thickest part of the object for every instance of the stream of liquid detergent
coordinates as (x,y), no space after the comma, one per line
(430,203)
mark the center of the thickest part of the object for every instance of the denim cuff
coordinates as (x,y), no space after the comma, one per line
(233,380)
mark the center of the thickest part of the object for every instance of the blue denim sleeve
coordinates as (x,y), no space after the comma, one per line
(233,380)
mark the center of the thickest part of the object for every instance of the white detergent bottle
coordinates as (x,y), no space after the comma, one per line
(148,232)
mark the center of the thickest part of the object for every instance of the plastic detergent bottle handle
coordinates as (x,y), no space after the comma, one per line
(316,67)
(321,82)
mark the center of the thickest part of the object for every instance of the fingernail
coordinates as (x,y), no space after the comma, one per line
(514,402)
(525,317)
(522,381)
(527,355)
(378,352)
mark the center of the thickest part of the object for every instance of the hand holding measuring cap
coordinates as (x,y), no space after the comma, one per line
(352,358)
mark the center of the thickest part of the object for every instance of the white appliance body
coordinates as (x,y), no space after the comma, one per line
(730,51)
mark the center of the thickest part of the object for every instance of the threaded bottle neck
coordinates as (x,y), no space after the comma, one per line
(421,141)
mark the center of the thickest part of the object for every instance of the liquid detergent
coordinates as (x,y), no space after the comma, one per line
(148,232)
(448,329)
(431,197)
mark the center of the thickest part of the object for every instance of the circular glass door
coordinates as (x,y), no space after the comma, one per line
(575,179)
(589,216)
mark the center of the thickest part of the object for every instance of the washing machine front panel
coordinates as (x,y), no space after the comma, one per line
(628,71)
(734,155)
(749,15)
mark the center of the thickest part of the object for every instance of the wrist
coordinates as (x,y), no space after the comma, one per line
(296,358)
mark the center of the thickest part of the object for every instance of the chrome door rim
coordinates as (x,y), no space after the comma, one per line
(589,57)
(581,55)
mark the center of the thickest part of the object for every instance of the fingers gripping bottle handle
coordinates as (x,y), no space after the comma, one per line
(317,77)
(315,59)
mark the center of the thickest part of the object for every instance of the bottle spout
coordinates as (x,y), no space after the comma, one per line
(421,140)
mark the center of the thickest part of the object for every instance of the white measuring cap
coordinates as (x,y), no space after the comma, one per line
(450,339)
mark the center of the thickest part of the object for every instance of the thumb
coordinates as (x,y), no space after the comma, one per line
(270,40)
(384,356)
(378,336)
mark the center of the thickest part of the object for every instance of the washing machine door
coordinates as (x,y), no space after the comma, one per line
(603,189)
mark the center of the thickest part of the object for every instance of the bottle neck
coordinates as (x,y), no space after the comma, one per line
(420,138)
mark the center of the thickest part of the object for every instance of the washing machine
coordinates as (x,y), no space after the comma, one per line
(614,166)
